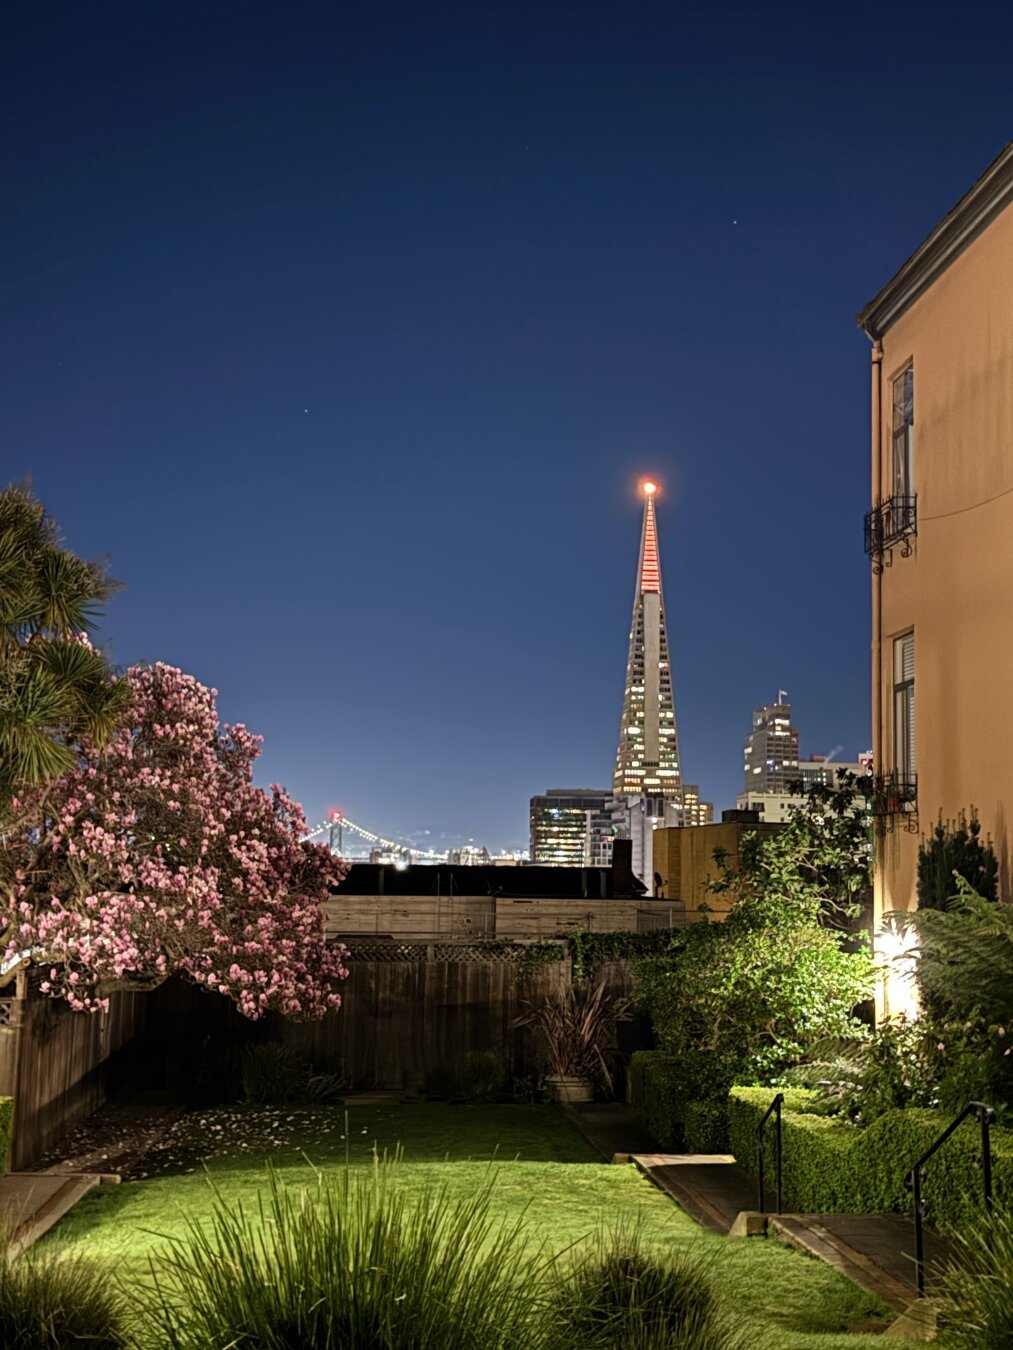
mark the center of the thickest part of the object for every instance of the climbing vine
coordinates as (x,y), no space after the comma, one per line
(586,951)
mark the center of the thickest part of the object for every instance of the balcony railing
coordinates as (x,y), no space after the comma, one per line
(895,795)
(893,522)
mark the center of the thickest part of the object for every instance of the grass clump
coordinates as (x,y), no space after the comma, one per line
(619,1296)
(978,1312)
(348,1262)
(53,1303)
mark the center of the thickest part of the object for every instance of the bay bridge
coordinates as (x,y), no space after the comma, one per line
(355,842)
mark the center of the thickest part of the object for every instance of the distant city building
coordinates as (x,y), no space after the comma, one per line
(560,832)
(771,752)
(647,758)
(580,826)
(468,855)
(648,791)
(773,808)
(637,818)
(818,770)
(601,832)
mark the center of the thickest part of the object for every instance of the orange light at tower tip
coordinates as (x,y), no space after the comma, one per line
(648,488)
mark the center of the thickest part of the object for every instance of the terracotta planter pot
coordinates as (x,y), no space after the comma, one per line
(567,1087)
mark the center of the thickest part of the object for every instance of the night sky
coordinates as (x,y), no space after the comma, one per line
(347,332)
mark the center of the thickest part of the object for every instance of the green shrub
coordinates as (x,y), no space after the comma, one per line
(351,1261)
(744,999)
(673,1100)
(6,1127)
(481,1076)
(833,1167)
(977,1288)
(705,1127)
(955,849)
(658,1097)
(274,1075)
(49,1303)
(619,1296)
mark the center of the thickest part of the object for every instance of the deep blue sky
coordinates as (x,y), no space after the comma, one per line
(347,331)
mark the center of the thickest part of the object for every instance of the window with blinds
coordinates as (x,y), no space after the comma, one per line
(904,705)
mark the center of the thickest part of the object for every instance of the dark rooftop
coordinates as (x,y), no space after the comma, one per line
(573,883)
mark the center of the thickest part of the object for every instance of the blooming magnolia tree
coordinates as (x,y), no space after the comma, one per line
(160,856)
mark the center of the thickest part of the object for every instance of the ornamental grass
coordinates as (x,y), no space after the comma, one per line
(347,1263)
(620,1296)
(53,1303)
(978,1286)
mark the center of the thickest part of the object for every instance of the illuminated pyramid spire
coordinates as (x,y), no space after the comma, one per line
(647,761)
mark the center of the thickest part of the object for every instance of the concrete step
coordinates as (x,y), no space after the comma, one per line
(708,1186)
(806,1233)
(32,1202)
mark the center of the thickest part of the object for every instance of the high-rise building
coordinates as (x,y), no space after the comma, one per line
(561,824)
(647,760)
(647,785)
(771,752)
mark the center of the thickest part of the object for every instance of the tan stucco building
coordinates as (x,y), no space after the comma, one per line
(940,535)
(684,859)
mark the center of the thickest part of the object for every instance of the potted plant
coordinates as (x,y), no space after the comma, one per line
(577,1026)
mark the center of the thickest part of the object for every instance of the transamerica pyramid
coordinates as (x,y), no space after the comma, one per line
(647,760)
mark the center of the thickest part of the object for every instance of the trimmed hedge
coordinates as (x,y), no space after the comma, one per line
(705,1127)
(656,1096)
(835,1168)
(668,1104)
(6,1127)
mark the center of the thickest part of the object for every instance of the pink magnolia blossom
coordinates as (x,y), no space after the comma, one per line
(160,856)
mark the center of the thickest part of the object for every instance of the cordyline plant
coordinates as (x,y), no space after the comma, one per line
(577,1028)
(159,856)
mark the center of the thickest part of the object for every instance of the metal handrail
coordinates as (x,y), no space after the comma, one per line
(773,1109)
(913,1180)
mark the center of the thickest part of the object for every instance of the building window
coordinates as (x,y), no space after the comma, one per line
(903,433)
(904,706)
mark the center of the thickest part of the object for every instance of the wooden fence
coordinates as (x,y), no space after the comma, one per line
(59,1065)
(408,1014)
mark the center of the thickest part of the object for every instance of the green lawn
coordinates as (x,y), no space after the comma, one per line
(544,1170)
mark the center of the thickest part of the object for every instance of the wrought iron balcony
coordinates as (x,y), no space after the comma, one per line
(895,794)
(892,522)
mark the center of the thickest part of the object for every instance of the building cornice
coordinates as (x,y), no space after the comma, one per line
(978,207)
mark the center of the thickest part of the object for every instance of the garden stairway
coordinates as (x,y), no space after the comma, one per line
(874,1251)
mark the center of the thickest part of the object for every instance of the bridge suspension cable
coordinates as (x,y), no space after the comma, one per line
(342,823)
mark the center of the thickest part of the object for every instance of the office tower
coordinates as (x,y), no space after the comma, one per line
(560,824)
(647,760)
(771,751)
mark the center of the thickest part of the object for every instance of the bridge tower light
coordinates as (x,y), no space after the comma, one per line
(335,835)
